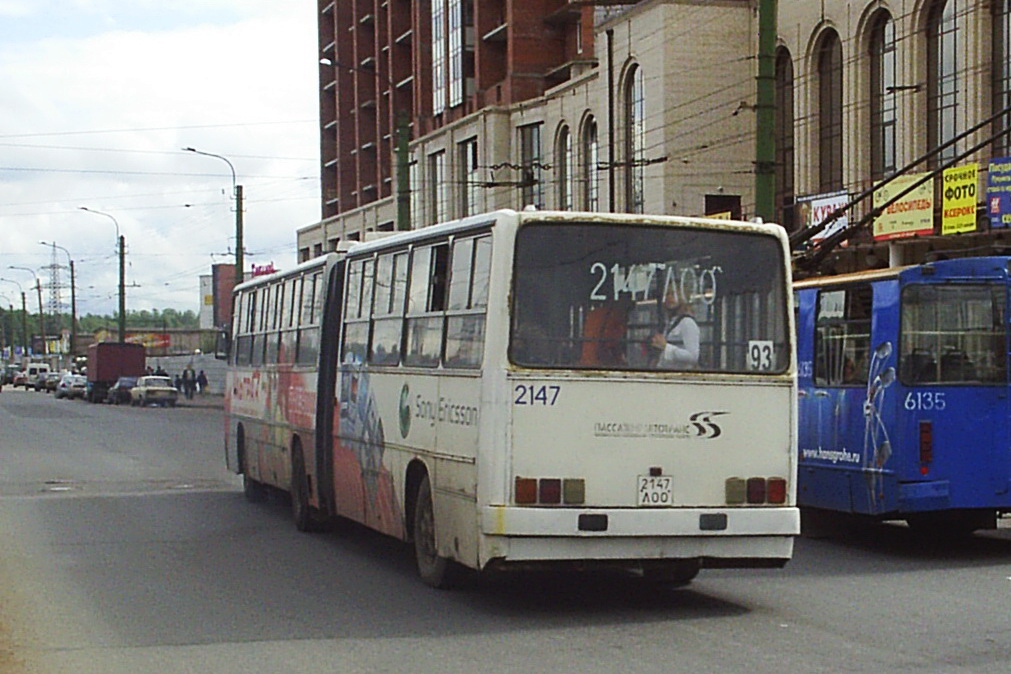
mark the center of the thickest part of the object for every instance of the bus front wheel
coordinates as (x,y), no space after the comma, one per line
(436,571)
(254,491)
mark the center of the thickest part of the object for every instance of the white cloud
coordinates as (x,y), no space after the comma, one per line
(245,90)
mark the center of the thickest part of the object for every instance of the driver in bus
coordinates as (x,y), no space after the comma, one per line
(679,342)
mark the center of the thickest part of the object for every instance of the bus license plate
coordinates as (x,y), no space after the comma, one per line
(656,490)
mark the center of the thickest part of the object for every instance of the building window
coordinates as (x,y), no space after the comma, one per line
(883,96)
(469,183)
(942,79)
(437,183)
(438,57)
(784,139)
(1001,74)
(564,168)
(635,142)
(591,157)
(531,179)
(830,113)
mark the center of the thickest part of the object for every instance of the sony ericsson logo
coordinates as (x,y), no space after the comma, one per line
(405,411)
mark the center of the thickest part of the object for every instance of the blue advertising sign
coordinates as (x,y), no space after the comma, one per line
(998,192)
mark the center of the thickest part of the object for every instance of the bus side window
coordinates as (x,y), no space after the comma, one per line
(842,336)
(468,301)
(388,309)
(426,301)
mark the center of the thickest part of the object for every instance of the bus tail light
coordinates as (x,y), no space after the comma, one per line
(776,491)
(926,446)
(526,490)
(550,491)
(755,490)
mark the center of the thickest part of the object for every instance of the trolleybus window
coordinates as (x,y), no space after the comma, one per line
(594,296)
(843,336)
(952,334)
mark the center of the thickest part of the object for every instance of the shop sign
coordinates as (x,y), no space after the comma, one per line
(912,215)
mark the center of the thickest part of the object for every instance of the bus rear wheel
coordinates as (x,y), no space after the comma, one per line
(435,571)
(672,573)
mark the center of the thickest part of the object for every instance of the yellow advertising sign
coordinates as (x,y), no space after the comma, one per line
(911,215)
(958,201)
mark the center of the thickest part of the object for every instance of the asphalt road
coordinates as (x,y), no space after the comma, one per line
(127,547)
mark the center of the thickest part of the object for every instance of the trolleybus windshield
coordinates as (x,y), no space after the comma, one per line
(595,296)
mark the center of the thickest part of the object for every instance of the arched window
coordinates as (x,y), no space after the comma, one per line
(784,139)
(635,141)
(830,113)
(591,157)
(1001,59)
(883,96)
(942,78)
(564,169)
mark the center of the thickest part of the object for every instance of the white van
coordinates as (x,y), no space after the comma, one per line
(33,372)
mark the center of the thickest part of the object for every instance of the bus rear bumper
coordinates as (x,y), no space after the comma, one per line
(724,538)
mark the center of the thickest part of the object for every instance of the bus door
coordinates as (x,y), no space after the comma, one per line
(955,406)
(843,465)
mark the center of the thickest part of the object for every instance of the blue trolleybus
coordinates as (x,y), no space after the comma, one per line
(903,394)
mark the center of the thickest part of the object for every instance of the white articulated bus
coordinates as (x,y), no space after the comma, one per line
(501,391)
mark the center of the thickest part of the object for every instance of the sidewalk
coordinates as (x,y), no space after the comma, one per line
(212,400)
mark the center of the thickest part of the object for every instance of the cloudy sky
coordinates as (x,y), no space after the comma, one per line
(97,100)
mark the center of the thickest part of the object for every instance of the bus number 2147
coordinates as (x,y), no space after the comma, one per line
(536,395)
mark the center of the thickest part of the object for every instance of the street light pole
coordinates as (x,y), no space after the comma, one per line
(24,318)
(122,272)
(73,297)
(237,193)
(42,318)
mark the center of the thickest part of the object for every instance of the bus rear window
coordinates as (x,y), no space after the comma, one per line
(952,334)
(648,298)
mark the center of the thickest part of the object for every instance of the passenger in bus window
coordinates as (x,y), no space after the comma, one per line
(679,342)
(603,342)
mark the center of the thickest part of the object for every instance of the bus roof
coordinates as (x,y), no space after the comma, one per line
(963,267)
(485,220)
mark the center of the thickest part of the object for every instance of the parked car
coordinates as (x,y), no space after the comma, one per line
(154,389)
(20,379)
(71,386)
(119,393)
(47,381)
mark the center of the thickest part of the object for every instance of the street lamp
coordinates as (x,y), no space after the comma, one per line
(73,296)
(122,272)
(42,322)
(24,318)
(237,193)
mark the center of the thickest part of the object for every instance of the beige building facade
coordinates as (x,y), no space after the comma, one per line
(661,119)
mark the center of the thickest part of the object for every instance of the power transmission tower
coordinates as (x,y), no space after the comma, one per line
(55,303)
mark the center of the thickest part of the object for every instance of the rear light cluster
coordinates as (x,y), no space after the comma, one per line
(926,446)
(550,491)
(756,491)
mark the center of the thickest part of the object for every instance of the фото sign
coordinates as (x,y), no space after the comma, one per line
(958,199)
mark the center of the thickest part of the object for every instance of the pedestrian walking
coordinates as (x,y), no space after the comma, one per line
(189,382)
(202,382)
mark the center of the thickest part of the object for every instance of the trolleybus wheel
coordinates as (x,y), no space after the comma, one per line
(305,516)
(254,491)
(434,570)
(673,573)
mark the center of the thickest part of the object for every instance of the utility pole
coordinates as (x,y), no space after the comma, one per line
(765,113)
(239,258)
(403,173)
